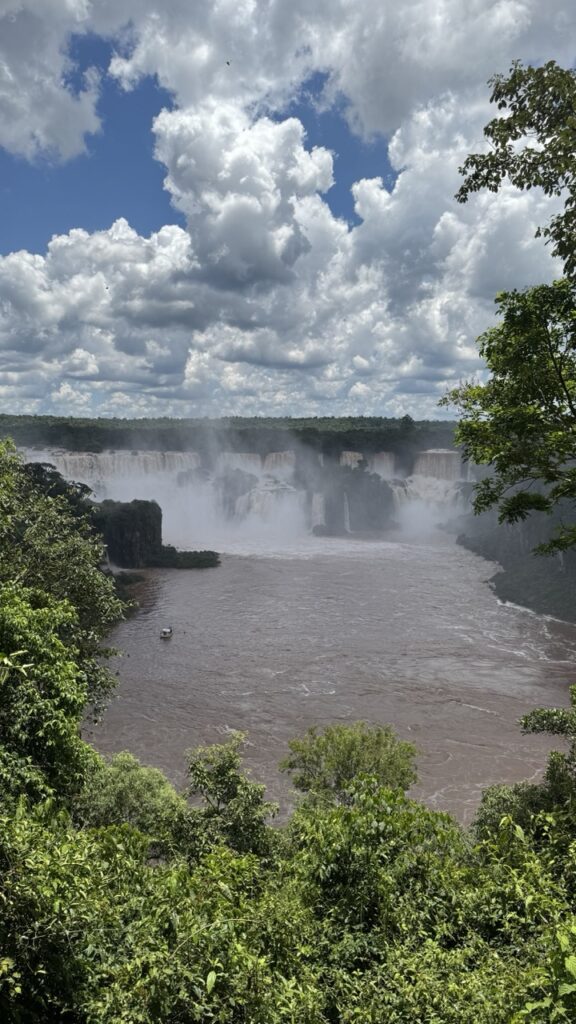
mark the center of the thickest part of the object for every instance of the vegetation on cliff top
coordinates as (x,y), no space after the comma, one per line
(132,533)
(255,434)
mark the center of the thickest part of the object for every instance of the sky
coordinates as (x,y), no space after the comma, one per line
(246,207)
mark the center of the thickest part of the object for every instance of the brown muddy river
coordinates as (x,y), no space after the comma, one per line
(335,631)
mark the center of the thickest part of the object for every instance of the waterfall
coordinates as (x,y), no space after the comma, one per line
(267,499)
(318,510)
(280,465)
(440,464)
(434,493)
(383,464)
(442,495)
(350,459)
(243,494)
(120,475)
(246,462)
(346,513)
(240,495)
(272,509)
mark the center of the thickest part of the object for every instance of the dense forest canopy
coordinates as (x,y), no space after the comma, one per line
(258,434)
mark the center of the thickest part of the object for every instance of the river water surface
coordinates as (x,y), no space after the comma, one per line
(334,631)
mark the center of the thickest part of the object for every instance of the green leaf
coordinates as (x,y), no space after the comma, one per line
(210,981)
(570,965)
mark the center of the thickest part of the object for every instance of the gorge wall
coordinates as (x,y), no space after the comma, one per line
(544,583)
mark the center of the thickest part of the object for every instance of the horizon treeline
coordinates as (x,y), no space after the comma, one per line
(258,434)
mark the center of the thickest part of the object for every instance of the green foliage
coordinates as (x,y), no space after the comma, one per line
(532,144)
(47,544)
(521,802)
(546,811)
(45,478)
(123,791)
(325,764)
(235,433)
(555,721)
(560,777)
(170,558)
(90,932)
(554,983)
(234,810)
(362,862)
(416,924)
(42,697)
(378,910)
(522,422)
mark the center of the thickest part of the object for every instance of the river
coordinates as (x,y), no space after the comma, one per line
(406,632)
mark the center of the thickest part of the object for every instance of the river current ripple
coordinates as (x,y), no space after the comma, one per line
(336,631)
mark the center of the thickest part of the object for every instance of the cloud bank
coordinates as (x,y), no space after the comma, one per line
(265,302)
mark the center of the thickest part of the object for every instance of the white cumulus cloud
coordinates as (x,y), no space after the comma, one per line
(266,301)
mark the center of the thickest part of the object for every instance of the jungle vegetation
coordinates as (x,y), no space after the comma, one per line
(326,434)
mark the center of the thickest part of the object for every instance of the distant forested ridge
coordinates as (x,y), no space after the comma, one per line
(255,434)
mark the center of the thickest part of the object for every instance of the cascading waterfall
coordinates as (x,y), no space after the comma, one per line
(244,495)
(273,504)
(246,462)
(121,475)
(280,465)
(241,493)
(318,510)
(435,491)
(440,464)
(347,513)
(351,459)
(383,464)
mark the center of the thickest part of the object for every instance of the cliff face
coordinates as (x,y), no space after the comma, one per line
(357,501)
(544,583)
(132,532)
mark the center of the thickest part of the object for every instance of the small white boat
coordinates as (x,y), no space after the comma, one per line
(166,633)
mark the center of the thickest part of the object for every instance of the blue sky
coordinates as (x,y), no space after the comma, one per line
(222,242)
(354,157)
(118,176)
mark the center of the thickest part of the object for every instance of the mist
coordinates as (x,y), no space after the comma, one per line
(296,500)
